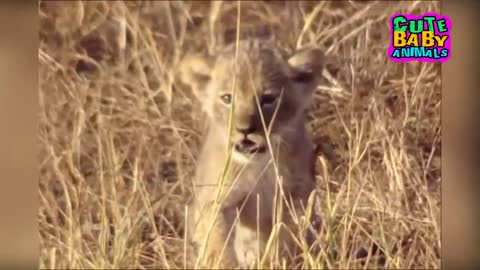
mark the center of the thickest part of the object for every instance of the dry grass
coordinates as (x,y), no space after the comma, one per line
(119,137)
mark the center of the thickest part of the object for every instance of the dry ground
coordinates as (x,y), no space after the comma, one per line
(118,136)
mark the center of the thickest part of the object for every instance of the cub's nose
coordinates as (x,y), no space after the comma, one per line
(245,129)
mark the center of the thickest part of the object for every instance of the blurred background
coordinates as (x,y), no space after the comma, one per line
(18,143)
(460,140)
(45,124)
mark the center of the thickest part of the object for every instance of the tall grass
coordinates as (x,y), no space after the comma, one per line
(119,137)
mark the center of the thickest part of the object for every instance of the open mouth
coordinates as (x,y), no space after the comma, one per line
(247,146)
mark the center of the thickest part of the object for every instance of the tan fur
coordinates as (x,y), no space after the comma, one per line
(241,227)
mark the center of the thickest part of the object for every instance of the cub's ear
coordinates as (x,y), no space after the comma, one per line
(195,70)
(306,65)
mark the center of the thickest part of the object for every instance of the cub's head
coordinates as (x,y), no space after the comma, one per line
(267,89)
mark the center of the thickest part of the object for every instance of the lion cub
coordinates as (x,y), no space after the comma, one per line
(255,176)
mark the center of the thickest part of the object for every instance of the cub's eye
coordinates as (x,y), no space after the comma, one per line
(267,100)
(303,77)
(227,98)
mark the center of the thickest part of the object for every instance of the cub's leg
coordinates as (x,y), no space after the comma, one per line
(212,234)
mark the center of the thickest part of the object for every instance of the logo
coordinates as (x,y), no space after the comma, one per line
(423,38)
